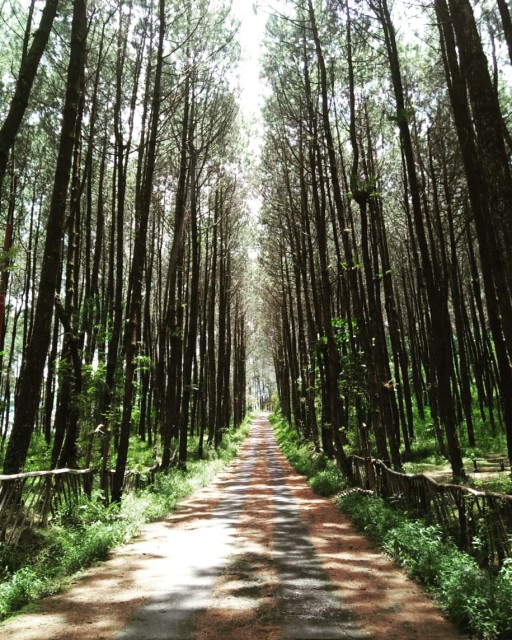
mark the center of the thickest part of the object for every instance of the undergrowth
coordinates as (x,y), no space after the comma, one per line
(476,599)
(324,476)
(45,560)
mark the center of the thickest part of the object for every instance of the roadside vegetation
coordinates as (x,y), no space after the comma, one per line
(46,559)
(324,476)
(478,600)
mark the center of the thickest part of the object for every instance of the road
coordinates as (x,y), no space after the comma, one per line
(255,556)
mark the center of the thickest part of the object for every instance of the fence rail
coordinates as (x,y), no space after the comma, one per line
(30,499)
(479,521)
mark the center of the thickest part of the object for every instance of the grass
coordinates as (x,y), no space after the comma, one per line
(140,455)
(323,474)
(45,560)
(496,483)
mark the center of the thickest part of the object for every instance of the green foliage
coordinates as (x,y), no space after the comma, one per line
(301,455)
(7,258)
(417,547)
(487,440)
(372,516)
(424,447)
(403,116)
(79,547)
(306,461)
(19,589)
(140,455)
(497,483)
(232,440)
(362,189)
(39,454)
(329,481)
(476,599)
(352,380)
(78,537)
(93,381)
(323,475)
(503,597)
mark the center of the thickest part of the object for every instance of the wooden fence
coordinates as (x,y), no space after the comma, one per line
(133,480)
(30,499)
(479,521)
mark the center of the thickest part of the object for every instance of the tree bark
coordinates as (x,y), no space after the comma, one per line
(24,83)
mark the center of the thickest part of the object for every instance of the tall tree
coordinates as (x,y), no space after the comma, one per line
(32,368)
(28,69)
(132,330)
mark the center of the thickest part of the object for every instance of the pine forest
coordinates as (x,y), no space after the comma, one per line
(326,235)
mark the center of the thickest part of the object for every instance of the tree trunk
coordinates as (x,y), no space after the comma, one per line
(440,336)
(24,83)
(137,269)
(32,368)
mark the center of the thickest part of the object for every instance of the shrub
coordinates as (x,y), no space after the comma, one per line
(503,598)
(328,482)
(418,547)
(370,514)
(19,589)
(301,455)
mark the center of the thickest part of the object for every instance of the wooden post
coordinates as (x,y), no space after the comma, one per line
(47,502)
(365,442)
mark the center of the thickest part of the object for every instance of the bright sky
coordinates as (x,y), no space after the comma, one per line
(251,34)
(252,28)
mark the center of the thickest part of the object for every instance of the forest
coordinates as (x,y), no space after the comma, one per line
(338,252)
(143,302)
(386,217)
(124,260)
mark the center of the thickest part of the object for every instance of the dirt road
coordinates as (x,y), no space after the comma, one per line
(256,556)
